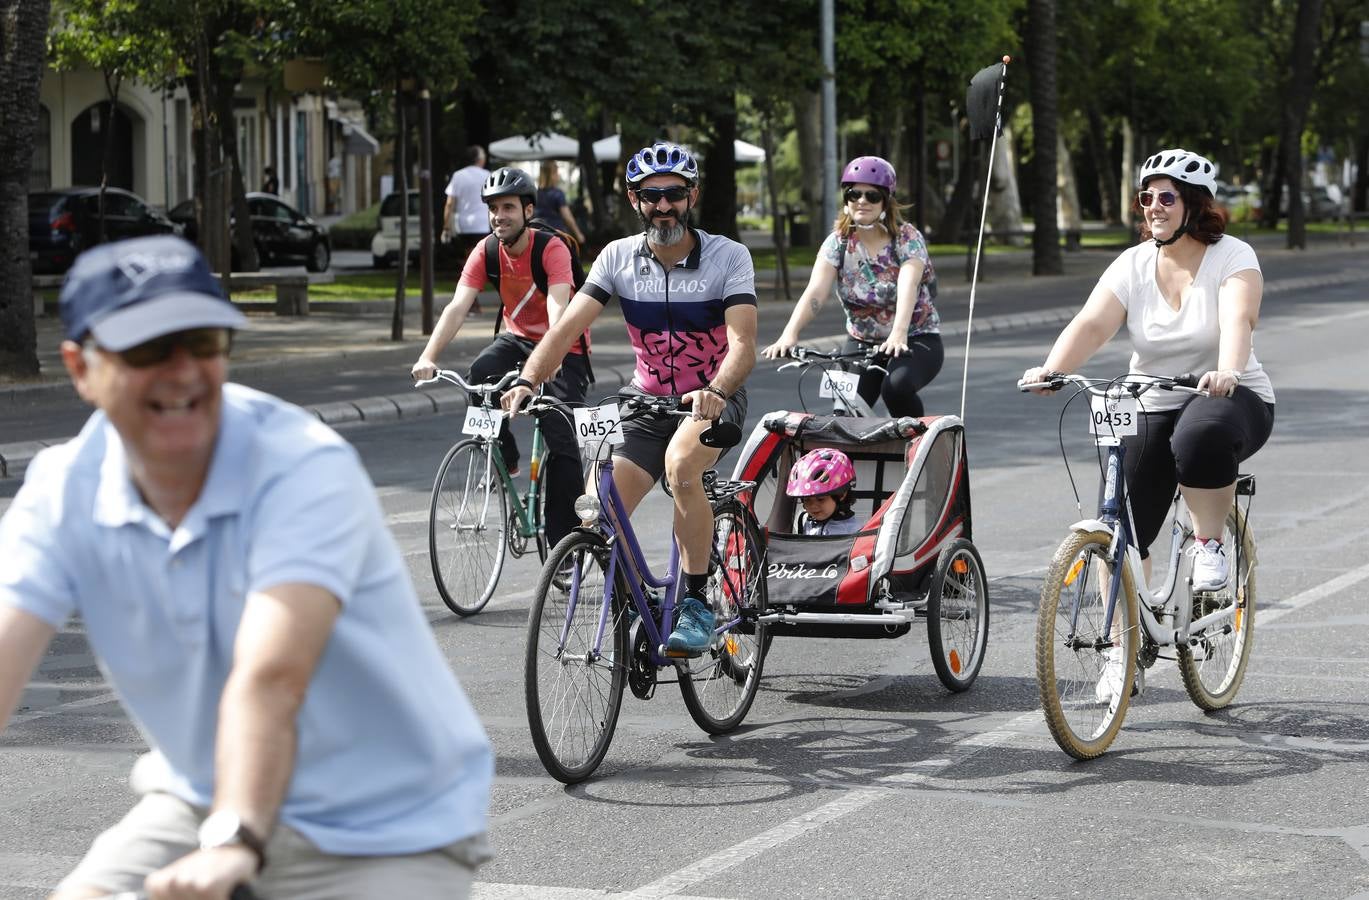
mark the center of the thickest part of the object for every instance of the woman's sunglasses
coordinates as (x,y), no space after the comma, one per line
(654,195)
(852,195)
(1166,198)
(201,343)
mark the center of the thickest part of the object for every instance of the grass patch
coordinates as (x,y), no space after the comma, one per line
(362,286)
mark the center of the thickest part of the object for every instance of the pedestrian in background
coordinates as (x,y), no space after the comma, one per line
(552,206)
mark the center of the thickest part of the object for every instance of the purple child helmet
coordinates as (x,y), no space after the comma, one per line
(870,170)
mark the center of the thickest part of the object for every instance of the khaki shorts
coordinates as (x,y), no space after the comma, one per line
(162,828)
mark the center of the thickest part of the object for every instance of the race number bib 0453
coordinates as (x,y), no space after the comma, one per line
(838,384)
(598,423)
(1113,416)
(482,422)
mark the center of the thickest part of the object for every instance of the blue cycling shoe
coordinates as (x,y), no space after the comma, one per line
(693,629)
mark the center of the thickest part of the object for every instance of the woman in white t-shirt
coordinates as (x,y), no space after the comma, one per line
(1189,297)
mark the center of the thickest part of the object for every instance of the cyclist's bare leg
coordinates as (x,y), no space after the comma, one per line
(632,481)
(685,462)
(1208,507)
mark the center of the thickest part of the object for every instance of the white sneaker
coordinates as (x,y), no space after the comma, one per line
(1210,571)
(1110,682)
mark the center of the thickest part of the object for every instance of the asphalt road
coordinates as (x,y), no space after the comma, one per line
(856,774)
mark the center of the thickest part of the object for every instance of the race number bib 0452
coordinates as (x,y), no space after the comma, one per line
(1113,416)
(482,422)
(838,384)
(598,423)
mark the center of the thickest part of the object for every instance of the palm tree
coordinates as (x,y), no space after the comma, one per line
(1040,47)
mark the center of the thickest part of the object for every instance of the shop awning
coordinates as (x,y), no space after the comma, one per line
(357,142)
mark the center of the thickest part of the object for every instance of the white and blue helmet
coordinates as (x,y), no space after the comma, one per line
(662,158)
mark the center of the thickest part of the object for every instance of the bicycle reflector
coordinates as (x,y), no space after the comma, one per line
(588,507)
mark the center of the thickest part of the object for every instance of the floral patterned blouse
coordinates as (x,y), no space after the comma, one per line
(868,286)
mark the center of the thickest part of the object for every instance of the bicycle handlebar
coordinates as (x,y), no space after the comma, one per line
(453,377)
(811,356)
(1133,383)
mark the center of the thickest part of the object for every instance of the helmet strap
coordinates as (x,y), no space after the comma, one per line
(1178,233)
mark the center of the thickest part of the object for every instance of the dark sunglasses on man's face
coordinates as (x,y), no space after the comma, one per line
(852,195)
(654,195)
(201,343)
(1166,198)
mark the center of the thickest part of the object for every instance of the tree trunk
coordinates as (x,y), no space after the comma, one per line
(1068,216)
(402,186)
(1041,54)
(808,122)
(1300,87)
(590,185)
(1359,198)
(718,205)
(1127,172)
(113,81)
(425,208)
(634,138)
(23,53)
(776,216)
(1107,177)
(240,216)
(920,158)
(952,228)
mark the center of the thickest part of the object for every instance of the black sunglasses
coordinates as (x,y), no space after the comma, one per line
(201,343)
(654,195)
(1166,198)
(852,195)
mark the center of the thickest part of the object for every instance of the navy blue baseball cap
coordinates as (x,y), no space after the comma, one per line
(132,291)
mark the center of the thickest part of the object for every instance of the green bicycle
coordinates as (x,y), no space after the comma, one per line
(477,516)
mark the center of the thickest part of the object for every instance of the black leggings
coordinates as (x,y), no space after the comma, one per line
(1200,445)
(908,374)
(564,480)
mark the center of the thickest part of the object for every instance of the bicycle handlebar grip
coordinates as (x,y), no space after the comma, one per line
(1188,380)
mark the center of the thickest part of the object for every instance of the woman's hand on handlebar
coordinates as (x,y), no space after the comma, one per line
(781,348)
(1219,383)
(894,345)
(423,370)
(1038,375)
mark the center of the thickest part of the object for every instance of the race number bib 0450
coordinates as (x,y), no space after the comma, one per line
(838,384)
(598,423)
(1113,416)
(482,422)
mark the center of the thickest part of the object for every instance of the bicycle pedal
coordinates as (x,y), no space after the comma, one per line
(677,654)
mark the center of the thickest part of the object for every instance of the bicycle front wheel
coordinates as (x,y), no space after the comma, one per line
(1085,670)
(1214,667)
(719,687)
(576,659)
(468,520)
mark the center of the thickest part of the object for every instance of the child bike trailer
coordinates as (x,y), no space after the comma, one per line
(912,559)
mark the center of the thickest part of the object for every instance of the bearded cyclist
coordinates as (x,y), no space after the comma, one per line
(689,302)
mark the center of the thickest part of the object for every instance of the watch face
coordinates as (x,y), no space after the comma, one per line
(220,829)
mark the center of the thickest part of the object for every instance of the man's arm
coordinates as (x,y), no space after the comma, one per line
(448,222)
(281,638)
(546,359)
(741,348)
(448,325)
(23,639)
(558,298)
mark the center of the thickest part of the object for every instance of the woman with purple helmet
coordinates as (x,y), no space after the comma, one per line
(885,282)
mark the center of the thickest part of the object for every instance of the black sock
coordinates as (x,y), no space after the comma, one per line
(696,586)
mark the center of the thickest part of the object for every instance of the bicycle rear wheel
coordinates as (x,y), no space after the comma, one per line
(468,520)
(719,686)
(1214,668)
(1073,646)
(573,691)
(958,615)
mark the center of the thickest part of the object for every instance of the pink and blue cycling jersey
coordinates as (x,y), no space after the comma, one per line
(675,319)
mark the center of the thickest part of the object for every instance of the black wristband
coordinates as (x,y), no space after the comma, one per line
(523,382)
(712,390)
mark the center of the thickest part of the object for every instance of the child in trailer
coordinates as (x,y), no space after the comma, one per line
(822,480)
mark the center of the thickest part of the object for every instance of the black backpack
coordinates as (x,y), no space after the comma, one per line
(541,234)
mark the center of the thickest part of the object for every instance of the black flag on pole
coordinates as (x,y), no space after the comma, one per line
(982,102)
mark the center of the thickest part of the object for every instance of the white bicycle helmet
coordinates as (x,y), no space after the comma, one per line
(1180,165)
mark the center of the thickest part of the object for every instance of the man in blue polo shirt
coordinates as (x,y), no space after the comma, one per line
(231,565)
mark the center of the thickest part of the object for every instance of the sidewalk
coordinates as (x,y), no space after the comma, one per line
(342,353)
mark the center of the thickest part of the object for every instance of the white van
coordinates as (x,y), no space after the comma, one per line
(385,244)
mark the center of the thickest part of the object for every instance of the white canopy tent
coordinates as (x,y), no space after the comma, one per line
(518,147)
(608,149)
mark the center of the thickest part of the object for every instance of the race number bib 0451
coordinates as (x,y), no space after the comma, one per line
(482,422)
(1113,416)
(598,423)
(838,384)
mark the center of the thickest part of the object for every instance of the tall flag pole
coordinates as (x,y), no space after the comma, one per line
(984,103)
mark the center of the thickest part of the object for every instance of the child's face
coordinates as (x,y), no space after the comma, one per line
(819,509)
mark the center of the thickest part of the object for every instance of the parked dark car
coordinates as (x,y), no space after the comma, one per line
(281,233)
(65,221)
